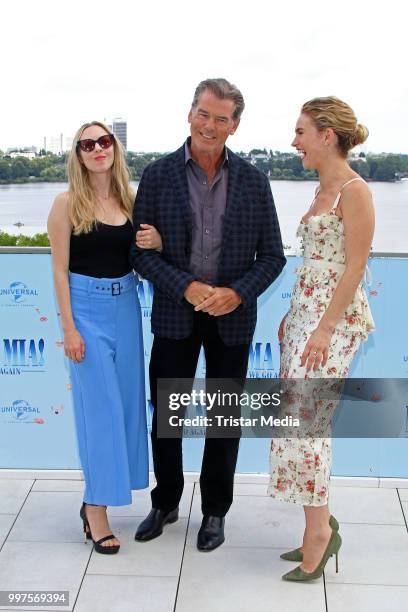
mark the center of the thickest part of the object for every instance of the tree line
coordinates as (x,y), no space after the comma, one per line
(288,166)
(48,167)
(38,240)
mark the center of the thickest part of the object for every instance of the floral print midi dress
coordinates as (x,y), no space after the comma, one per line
(300,467)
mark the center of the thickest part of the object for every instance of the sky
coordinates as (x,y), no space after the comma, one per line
(64,63)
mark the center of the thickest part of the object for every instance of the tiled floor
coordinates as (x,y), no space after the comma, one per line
(41,548)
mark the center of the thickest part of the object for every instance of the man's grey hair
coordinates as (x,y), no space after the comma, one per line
(224,90)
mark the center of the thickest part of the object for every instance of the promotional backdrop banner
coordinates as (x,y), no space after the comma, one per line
(36,413)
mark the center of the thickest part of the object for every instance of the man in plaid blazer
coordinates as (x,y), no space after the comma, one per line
(221,249)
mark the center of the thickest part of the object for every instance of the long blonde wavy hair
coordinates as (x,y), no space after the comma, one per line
(81,196)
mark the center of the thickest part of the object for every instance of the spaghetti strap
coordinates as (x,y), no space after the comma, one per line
(336,201)
(357,178)
(316,194)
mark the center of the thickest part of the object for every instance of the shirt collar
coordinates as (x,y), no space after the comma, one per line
(187,153)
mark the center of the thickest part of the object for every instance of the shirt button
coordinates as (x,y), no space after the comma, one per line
(207,231)
(205,256)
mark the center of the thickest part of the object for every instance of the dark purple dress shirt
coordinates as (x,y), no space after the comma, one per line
(208,202)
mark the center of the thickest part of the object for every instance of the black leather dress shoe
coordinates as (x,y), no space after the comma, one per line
(152,526)
(211,534)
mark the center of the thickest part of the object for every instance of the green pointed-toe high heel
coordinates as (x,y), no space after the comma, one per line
(297,555)
(333,547)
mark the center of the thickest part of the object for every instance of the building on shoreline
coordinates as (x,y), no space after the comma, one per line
(27,152)
(57,144)
(119,128)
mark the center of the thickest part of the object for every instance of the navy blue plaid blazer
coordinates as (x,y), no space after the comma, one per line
(251,253)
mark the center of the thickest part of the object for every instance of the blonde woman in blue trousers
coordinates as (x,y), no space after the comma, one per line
(91,232)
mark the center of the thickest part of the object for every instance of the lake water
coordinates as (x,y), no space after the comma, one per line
(30,204)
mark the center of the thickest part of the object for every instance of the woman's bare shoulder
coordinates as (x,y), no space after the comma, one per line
(61,198)
(356,187)
(356,200)
(59,208)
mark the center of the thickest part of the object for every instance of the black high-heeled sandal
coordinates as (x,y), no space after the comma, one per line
(104,550)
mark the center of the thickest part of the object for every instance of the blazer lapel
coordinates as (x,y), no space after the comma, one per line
(179,180)
(232,203)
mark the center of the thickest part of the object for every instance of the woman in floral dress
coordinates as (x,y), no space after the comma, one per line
(329,317)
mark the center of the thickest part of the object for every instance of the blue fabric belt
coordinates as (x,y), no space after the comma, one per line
(104,286)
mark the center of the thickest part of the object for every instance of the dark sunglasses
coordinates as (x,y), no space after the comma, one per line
(88,144)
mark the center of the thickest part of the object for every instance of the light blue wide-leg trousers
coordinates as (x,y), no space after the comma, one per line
(109,388)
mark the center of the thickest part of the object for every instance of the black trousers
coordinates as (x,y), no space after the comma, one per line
(178,359)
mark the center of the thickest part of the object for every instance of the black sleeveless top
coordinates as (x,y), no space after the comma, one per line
(103,252)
